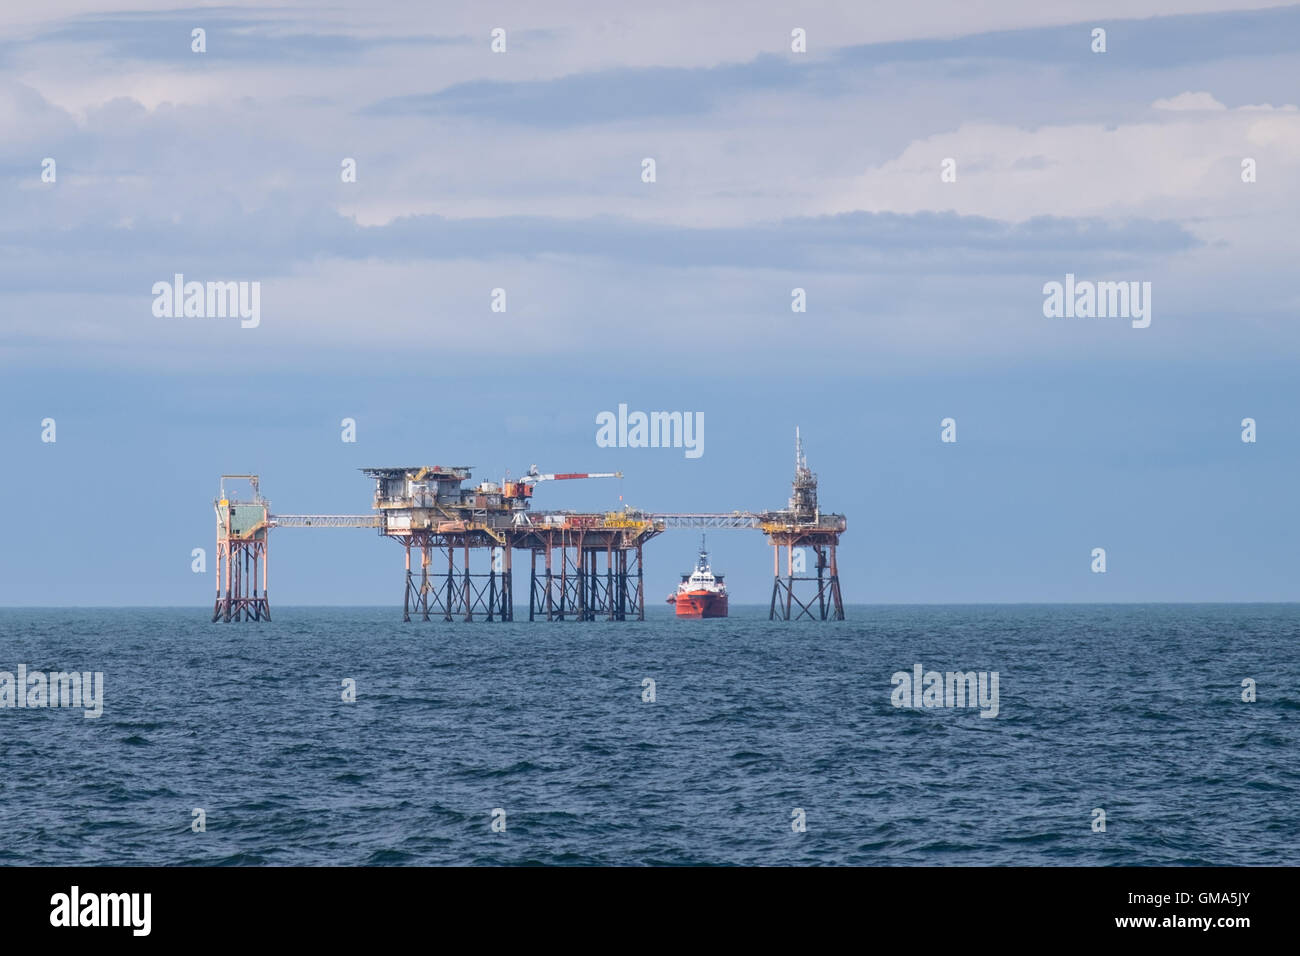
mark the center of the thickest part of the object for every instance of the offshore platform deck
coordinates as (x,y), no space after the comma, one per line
(583,566)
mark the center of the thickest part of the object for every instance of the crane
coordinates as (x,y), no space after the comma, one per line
(517,492)
(534,476)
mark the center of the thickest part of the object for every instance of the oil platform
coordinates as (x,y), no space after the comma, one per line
(802,525)
(583,566)
(429,509)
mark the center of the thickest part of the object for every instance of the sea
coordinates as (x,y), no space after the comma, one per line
(1135,734)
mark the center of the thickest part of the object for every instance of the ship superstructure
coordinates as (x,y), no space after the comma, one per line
(701,592)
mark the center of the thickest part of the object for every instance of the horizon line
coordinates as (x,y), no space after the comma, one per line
(206,607)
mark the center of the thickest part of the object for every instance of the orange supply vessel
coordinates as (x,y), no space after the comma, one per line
(701,593)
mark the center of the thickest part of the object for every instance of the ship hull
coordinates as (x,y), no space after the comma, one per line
(698,604)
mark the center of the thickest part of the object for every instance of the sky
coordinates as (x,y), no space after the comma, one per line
(921,171)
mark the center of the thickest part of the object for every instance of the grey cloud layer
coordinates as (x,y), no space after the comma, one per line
(164,37)
(630,94)
(526,176)
(271,243)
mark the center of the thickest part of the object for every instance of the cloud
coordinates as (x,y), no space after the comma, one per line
(616,95)
(1185,166)
(1205,102)
(1189,101)
(878,284)
(118,257)
(165,36)
(774,170)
